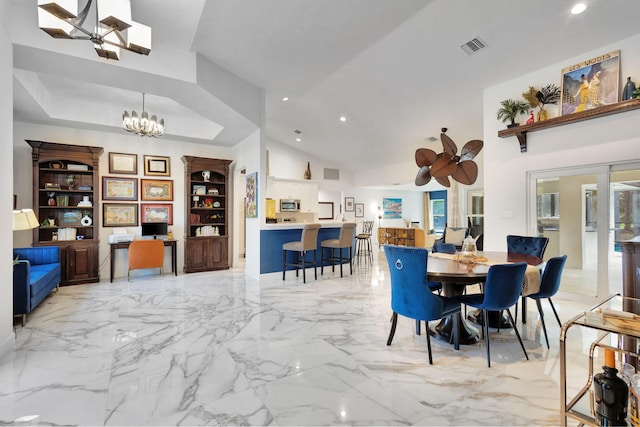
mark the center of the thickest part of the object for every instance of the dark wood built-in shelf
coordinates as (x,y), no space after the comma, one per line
(521,131)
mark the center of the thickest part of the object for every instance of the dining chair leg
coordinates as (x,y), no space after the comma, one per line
(350,261)
(500,313)
(513,324)
(284,263)
(544,327)
(418,327)
(515,317)
(394,322)
(485,331)
(340,249)
(456,331)
(524,311)
(315,264)
(304,267)
(555,312)
(428,342)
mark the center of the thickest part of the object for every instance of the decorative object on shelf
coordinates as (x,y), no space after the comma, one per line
(60,165)
(86,220)
(114,188)
(251,196)
(216,204)
(349,204)
(307,172)
(157,166)
(85,202)
(52,199)
(69,180)
(213,191)
(206,175)
(143,125)
(590,83)
(119,214)
(629,89)
(112,30)
(610,394)
(510,109)
(549,94)
(156,189)
(62,200)
(530,119)
(157,213)
(199,189)
(462,168)
(123,163)
(77,167)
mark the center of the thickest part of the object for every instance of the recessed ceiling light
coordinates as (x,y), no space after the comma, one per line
(578,8)
(285,99)
(343,119)
(298,139)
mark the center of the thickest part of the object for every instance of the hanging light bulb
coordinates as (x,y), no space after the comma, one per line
(142,125)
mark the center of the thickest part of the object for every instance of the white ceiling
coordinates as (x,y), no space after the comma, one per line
(394,68)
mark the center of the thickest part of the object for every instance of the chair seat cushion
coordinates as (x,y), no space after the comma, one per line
(331,243)
(474,300)
(363,236)
(292,246)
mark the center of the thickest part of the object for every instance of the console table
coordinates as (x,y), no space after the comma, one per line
(173,244)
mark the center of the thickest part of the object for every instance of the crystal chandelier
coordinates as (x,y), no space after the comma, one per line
(143,125)
(112,30)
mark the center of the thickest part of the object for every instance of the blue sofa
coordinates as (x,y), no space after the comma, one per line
(36,271)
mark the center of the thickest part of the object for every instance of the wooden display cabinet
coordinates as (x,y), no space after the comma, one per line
(65,200)
(207,222)
(396,236)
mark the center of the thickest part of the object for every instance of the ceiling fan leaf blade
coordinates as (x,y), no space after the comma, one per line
(466,173)
(471,149)
(423,176)
(425,157)
(443,165)
(443,180)
(448,145)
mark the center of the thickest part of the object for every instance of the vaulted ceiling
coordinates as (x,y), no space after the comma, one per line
(394,69)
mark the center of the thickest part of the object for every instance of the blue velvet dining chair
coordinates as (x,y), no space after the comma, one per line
(527,245)
(445,248)
(410,293)
(501,291)
(549,285)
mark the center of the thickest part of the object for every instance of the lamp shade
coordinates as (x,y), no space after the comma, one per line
(24,219)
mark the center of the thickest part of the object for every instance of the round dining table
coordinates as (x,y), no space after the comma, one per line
(455,274)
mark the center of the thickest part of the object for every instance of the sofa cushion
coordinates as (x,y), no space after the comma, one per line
(42,275)
(455,235)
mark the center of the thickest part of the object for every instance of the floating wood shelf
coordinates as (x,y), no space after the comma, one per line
(521,131)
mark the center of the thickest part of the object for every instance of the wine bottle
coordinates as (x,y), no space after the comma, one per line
(611,394)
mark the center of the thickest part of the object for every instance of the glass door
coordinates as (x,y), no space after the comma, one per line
(583,212)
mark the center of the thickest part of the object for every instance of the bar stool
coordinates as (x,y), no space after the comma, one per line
(363,242)
(308,242)
(344,240)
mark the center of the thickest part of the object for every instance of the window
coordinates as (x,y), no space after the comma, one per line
(437,210)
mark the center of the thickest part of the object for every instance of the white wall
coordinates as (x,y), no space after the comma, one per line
(111,142)
(597,141)
(6,174)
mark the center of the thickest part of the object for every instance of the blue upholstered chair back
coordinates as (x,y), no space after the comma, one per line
(550,281)
(503,286)
(446,248)
(410,293)
(527,245)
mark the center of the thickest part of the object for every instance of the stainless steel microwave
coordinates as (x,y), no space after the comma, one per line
(289,205)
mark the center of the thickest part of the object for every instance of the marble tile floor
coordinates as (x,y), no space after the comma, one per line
(221,349)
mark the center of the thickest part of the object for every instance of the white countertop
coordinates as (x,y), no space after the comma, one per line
(299,225)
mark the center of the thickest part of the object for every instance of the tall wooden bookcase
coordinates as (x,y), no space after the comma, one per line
(65,176)
(207,222)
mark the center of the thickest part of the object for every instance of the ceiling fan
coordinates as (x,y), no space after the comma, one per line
(462,168)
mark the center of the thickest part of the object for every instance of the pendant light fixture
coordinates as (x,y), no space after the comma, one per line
(142,125)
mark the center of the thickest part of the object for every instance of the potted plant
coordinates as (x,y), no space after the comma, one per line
(509,109)
(550,94)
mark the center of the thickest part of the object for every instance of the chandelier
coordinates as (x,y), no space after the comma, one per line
(112,30)
(143,125)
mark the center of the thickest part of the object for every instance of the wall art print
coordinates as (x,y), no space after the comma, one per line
(251,196)
(392,208)
(591,83)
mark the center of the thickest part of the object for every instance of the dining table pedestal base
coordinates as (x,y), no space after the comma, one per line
(444,329)
(495,320)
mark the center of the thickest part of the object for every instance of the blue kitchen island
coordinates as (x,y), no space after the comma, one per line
(273,236)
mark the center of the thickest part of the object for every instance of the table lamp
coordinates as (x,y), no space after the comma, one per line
(24,219)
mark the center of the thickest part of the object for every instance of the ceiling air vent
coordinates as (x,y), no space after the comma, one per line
(473,46)
(332,174)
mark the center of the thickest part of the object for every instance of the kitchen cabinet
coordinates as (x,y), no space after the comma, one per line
(305,191)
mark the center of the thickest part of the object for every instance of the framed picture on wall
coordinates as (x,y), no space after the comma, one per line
(123,163)
(156,212)
(159,190)
(157,166)
(349,204)
(359,210)
(114,188)
(251,196)
(119,214)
